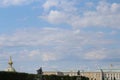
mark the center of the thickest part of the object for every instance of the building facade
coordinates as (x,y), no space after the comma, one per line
(100,75)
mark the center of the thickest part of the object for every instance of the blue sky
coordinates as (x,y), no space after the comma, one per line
(59,35)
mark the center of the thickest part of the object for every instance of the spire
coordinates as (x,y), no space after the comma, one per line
(10,61)
(10,68)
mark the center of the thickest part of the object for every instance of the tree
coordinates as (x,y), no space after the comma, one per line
(39,71)
(78,73)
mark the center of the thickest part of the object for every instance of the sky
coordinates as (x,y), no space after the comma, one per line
(60,35)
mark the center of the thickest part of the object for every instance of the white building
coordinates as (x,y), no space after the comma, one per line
(99,75)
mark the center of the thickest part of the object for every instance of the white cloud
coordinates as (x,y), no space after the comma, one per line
(50,3)
(115,7)
(4,3)
(49,57)
(54,42)
(103,14)
(34,53)
(96,55)
(56,17)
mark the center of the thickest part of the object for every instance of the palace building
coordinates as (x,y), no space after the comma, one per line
(98,75)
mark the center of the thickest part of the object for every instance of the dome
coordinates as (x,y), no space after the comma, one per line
(10,69)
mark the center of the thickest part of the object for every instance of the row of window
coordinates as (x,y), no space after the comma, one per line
(116,75)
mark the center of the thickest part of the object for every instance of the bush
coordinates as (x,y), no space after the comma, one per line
(16,76)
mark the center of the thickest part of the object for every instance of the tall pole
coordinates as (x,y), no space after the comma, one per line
(102,74)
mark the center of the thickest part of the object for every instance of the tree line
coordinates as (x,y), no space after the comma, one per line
(26,76)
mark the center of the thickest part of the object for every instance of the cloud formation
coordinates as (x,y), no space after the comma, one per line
(93,37)
(102,14)
(57,43)
(53,45)
(6,3)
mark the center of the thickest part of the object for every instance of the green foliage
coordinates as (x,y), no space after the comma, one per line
(26,76)
(16,76)
(55,77)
